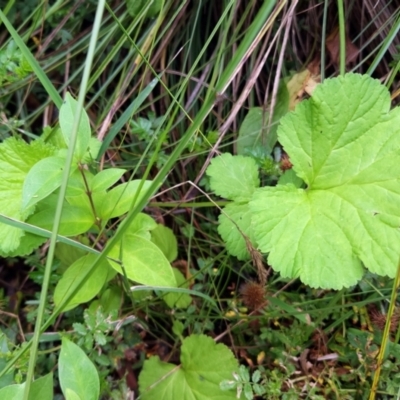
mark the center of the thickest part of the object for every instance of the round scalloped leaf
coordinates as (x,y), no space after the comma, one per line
(234,178)
(28,242)
(204,365)
(345,144)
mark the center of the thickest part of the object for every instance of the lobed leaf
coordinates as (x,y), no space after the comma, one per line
(204,365)
(16,159)
(236,216)
(345,144)
(234,178)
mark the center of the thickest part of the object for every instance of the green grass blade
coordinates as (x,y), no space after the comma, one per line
(127,114)
(37,69)
(385,45)
(44,233)
(63,188)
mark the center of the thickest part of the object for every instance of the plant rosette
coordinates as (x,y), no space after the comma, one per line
(344,144)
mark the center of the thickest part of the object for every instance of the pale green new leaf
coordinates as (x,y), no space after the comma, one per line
(345,144)
(204,364)
(233,217)
(73,277)
(78,376)
(16,159)
(234,178)
(67,116)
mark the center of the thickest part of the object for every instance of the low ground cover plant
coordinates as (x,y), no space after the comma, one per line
(198,202)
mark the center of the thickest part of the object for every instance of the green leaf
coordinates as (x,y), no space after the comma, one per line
(254,130)
(76,183)
(141,226)
(77,373)
(54,137)
(345,144)
(67,115)
(204,365)
(41,389)
(16,159)
(92,151)
(106,178)
(178,300)
(74,220)
(251,130)
(73,277)
(236,216)
(111,299)
(136,6)
(15,392)
(67,254)
(27,244)
(120,199)
(143,261)
(234,178)
(43,179)
(290,176)
(164,238)
(71,395)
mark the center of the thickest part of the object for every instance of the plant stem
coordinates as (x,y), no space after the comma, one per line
(342,38)
(63,188)
(386,333)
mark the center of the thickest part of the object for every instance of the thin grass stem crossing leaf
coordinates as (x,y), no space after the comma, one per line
(42,179)
(68,112)
(41,389)
(120,199)
(73,277)
(204,365)
(345,144)
(143,261)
